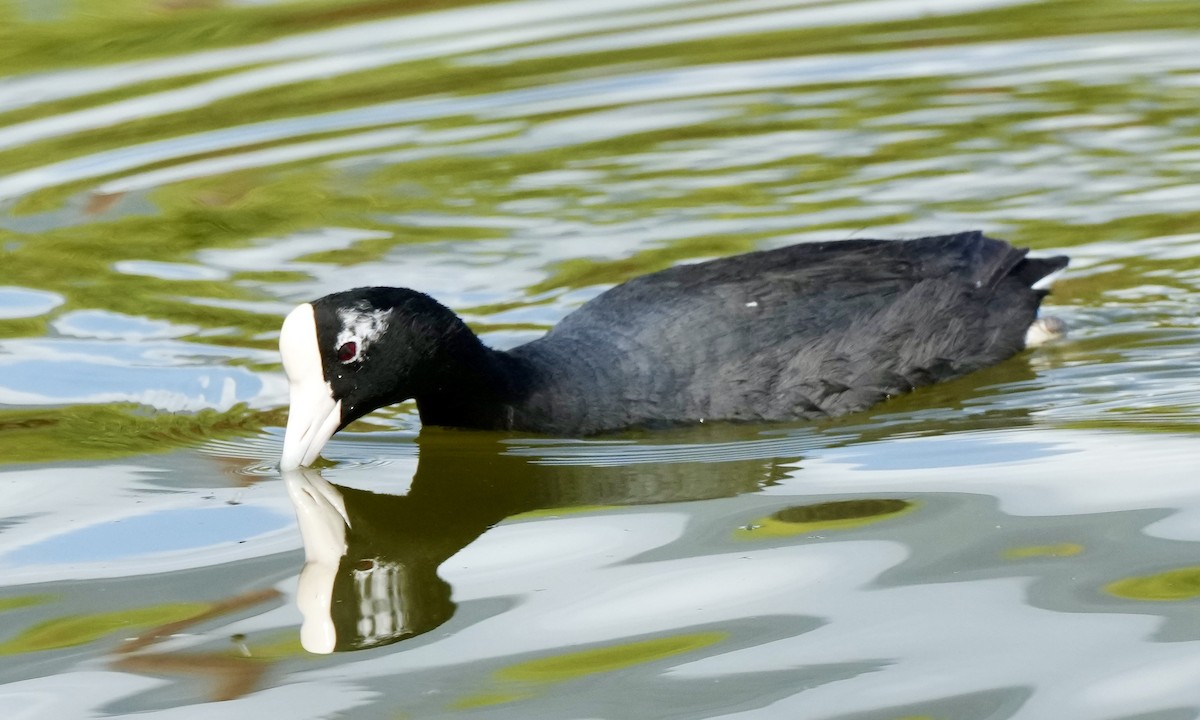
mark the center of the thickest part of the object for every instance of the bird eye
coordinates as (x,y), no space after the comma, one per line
(347,352)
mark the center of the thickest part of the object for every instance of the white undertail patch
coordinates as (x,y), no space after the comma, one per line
(1045,330)
(1046,282)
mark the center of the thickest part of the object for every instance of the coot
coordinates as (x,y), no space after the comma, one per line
(802,332)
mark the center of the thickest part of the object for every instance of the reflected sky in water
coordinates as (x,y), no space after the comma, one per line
(175,176)
(963,595)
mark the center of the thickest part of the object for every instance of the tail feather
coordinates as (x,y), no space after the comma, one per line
(996,260)
(990,260)
(1031,270)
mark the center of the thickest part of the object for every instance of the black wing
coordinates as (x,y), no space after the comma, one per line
(803,331)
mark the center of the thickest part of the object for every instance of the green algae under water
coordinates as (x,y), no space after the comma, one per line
(175,176)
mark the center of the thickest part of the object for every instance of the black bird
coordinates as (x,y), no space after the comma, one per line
(802,332)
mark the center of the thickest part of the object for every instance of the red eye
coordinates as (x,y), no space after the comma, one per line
(347,352)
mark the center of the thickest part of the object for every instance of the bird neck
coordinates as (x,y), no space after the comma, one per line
(469,384)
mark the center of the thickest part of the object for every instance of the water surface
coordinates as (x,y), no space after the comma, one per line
(175,176)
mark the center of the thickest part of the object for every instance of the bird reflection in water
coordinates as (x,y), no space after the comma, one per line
(362,584)
(371,559)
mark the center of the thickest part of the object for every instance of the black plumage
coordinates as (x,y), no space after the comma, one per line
(802,332)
